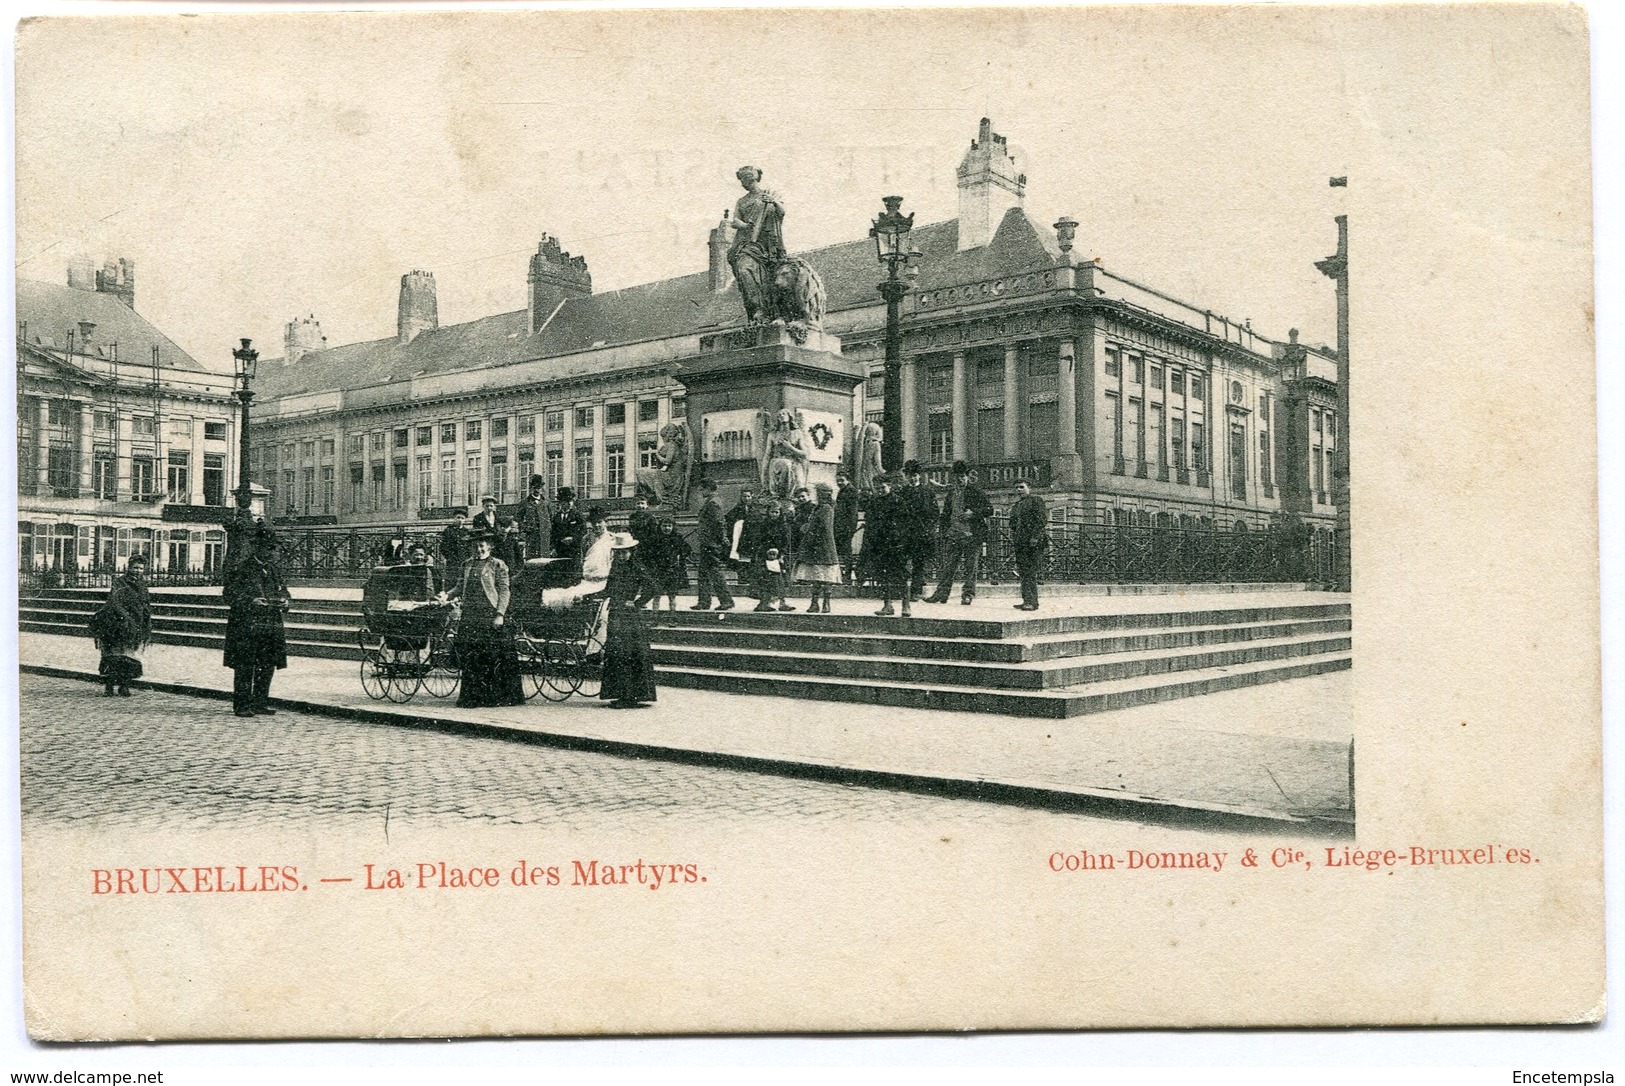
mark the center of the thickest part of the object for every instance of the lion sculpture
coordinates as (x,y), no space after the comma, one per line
(799,297)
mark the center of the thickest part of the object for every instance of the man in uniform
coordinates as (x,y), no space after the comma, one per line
(846,523)
(256,645)
(1029,536)
(536,520)
(712,552)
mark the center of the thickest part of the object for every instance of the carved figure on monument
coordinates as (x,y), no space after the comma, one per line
(784,461)
(868,456)
(776,288)
(758,246)
(667,482)
(798,297)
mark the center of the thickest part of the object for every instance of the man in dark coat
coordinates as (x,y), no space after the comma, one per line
(454,546)
(486,520)
(846,522)
(1029,535)
(964,530)
(536,520)
(711,552)
(567,527)
(394,552)
(256,645)
(917,522)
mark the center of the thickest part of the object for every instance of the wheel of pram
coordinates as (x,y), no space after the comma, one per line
(373,680)
(560,673)
(405,674)
(442,676)
(590,667)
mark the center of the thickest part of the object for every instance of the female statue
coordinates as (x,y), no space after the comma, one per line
(667,482)
(784,462)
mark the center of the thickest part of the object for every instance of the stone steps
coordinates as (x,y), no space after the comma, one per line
(1053,665)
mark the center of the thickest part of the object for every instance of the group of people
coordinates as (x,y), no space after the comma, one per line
(585,561)
(906,521)
(774,545)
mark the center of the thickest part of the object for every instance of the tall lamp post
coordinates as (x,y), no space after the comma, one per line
(891,232)
(246,360)
(1336,268)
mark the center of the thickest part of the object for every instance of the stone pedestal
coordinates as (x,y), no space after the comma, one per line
(739,383)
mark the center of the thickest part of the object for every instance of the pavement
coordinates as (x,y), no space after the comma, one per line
(1251,758)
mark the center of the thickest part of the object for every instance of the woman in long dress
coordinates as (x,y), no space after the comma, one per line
(485,648)
(817,564)
(629,674)
(122,628)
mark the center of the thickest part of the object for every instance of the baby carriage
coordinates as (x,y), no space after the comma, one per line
(406,635)
(561,648)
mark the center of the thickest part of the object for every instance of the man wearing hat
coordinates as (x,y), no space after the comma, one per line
(711,552)
(454,545)
(256,644)
(536,520)
(566,529)
(917,523)
(486,519)
(964,529)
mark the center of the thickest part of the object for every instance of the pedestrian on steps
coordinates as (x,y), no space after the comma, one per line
(122,627)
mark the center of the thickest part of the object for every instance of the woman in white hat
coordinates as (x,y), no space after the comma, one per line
(629,674)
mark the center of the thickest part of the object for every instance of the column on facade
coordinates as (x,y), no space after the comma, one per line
(1012,401)
(1066,397)
(629,442)
(961,409)
(42,430)
(196,478)
(600,461)
(123,452)
(87,447)
(908,390)
(569,447)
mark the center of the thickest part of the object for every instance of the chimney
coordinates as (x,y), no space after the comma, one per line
(721,273)
(303,335)
(555,277)
(117,278)
(81,273)
(417,311)
(991,182)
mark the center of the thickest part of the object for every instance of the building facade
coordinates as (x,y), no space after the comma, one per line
(125,443)
(1126,405)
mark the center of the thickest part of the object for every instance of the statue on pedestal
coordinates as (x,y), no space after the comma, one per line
(667,482)
(775,287)
(784,460)
(868,457)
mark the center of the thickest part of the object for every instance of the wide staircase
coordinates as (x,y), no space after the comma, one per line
(1051,666)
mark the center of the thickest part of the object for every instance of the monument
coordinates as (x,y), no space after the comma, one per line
(770,405)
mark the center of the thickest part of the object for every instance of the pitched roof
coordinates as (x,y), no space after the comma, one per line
(685,305)
(52,310)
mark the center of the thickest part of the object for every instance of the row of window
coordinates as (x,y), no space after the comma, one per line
(474,431)
(102,546)
(65,415)
(1137,374)
(63,464)
(380,488)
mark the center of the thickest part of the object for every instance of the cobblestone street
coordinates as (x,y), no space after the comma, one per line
(162,759)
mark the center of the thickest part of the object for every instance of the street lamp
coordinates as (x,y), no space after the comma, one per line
(891,233)
(246,361)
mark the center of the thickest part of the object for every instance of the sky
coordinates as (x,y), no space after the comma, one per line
(266,166)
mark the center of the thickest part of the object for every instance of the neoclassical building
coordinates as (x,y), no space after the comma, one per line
(1122,403)
(125,443)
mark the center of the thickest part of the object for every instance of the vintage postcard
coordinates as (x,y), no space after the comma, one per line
(659,521)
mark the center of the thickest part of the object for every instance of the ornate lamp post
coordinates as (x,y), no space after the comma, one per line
(246,360)
(891,232)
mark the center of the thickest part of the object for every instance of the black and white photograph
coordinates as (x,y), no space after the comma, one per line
(666,502)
